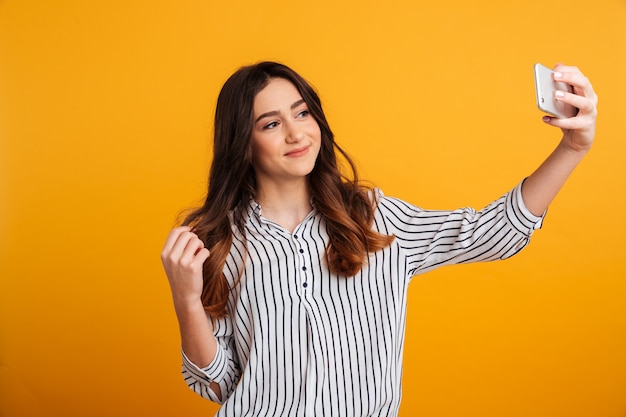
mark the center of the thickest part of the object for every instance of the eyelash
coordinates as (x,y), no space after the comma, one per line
(271,125)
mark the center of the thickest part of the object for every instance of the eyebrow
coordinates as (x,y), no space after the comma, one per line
(276,112)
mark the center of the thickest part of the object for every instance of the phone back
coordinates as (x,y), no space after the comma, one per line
(545,87)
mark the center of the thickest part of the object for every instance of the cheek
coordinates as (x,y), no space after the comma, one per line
(315,131)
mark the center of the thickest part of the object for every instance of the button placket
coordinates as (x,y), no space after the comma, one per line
(303,267)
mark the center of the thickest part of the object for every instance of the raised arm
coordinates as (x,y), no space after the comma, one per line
(541,186)
(183,256)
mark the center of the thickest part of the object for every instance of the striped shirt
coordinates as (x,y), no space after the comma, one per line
(302,341)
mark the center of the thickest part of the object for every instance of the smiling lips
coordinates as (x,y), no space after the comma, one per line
(298,152)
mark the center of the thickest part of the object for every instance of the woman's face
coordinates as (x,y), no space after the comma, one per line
(285,137)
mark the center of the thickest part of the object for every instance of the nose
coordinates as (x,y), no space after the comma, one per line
(294,133)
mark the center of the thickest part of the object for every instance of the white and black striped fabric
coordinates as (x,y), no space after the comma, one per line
(301,341)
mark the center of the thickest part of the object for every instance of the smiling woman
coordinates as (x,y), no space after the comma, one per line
(285,145)
(104,119)
(290,283)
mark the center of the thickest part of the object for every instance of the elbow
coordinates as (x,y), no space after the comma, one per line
(516,248)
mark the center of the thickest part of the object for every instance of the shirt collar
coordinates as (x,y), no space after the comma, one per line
(255,212)
(254,209)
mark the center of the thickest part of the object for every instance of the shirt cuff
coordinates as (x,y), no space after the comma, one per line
(518,214)
(213,372)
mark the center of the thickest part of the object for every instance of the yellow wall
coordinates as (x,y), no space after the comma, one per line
(105,120)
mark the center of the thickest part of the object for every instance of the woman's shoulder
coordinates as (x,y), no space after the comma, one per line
(388,205)
(377,195)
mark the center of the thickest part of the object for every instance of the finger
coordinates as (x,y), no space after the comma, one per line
(172,237)
(583,104)
(562,67)
(572,76)
(202,255)
(573,123)
(177,250)
(190,253)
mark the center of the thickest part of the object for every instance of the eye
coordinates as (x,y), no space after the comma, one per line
(270,125)
(303,114)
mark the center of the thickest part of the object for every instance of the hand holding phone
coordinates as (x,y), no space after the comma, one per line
(545,88)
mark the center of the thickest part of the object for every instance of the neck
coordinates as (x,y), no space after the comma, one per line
(285,204)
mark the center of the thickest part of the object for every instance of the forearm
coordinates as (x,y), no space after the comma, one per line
(543,185)
(196,334)
(197,339)
(183,257)
(540,188)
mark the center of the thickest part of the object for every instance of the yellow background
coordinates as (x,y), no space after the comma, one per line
(105,124)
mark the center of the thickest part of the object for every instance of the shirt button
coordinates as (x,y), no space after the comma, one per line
(295,236)
(304,268)
(305,285)
(301,250)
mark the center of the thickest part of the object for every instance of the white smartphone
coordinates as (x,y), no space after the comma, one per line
(545,87)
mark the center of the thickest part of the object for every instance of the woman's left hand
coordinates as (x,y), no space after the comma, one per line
(578,131)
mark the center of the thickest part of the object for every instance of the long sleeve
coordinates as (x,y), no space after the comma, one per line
(431,238)
(223,370)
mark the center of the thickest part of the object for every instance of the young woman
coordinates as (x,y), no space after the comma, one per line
(290,282)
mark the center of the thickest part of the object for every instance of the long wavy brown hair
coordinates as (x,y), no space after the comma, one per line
(346,205)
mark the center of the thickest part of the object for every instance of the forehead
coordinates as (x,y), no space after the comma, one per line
(277,94)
